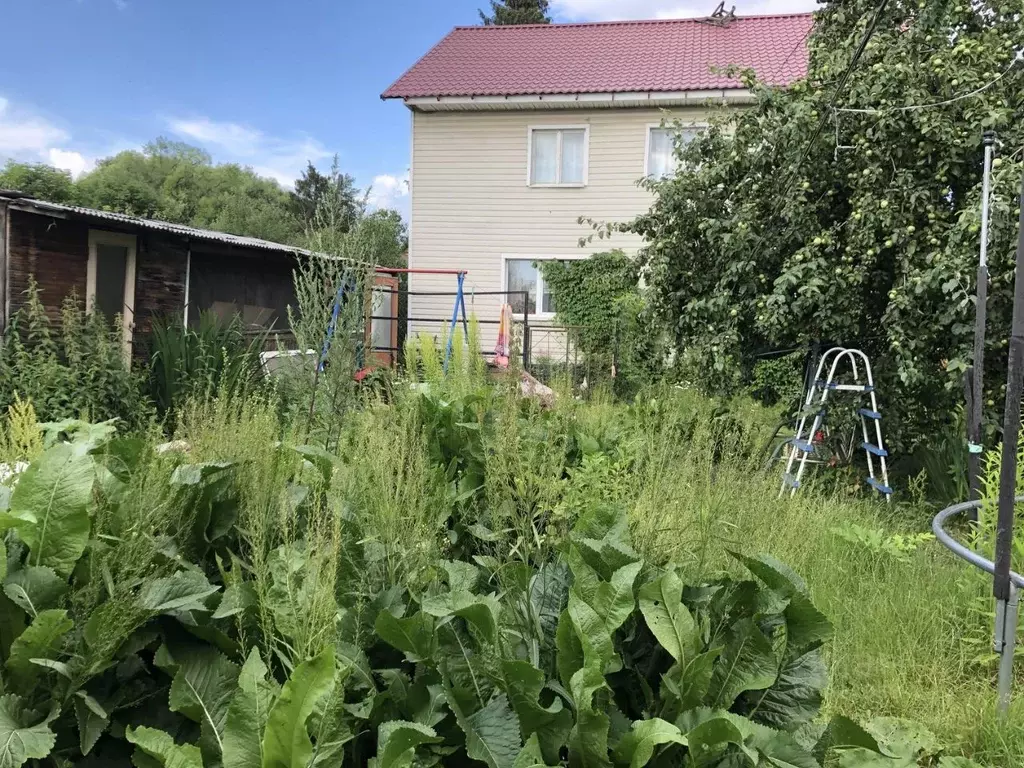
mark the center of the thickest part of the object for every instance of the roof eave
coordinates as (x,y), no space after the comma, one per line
(568,100)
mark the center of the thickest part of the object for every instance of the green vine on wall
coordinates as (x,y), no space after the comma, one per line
(601,297)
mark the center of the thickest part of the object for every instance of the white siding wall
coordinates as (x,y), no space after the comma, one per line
(471,204)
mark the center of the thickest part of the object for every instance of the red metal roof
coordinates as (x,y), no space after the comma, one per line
(607,57)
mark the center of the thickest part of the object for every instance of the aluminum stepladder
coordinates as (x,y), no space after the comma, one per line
(802,446)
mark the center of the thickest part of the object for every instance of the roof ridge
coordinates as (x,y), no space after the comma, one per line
(628,22)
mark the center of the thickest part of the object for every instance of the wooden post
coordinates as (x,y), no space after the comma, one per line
(5,303)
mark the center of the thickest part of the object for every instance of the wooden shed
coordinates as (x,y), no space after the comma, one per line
(139,268)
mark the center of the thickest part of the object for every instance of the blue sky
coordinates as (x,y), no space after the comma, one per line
(266,83)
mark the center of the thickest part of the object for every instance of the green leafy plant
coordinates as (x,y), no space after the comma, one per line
(77,367)
(211,358)
(600,298)
(896,546)
(852,214)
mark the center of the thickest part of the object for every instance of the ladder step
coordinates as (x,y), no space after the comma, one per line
(879,486)
(869,413)
(802,445)
(874,449)
(789,480)
(845,387)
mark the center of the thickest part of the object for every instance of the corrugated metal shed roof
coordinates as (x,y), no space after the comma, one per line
(20,202)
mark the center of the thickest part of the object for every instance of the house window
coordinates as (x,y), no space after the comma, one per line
(661,161)
(523,275)
(558,157)
(110,278)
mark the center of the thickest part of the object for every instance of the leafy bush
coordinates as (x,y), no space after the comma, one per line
(215,356)
(602,298)
(79,368)
(853,217)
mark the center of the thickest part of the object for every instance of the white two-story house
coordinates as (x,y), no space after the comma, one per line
(518,131)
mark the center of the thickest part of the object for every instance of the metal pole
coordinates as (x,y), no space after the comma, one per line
(1011,423)
(977,399)
(1006,640)
(1003,588)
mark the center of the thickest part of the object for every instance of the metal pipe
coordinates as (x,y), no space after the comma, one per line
(1011,424)
(1007,643)
(977,399)
(958,549)
(1007,611)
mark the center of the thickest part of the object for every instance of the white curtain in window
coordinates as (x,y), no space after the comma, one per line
(544,163)
(521,275)
(573,151)
(659,153)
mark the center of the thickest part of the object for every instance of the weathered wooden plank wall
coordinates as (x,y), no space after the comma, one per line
(55,251)
(159,280)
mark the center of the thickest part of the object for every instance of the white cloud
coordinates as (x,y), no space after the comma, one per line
(72,161)
(23,133)
(29,137)
(282,159)
(610,10)
(389,191)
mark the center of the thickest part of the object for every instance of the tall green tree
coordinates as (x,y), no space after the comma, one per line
(867,235)
(327,199)
(38,180)
(504,12)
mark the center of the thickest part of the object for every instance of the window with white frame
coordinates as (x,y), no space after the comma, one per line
(527,291)
(661,159)
(558,157)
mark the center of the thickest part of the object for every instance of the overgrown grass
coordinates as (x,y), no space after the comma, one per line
(414,477)
(911,636)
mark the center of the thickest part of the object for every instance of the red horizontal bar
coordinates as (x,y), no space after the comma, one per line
(390,271)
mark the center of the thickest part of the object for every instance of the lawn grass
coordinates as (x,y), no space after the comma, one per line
(907,631)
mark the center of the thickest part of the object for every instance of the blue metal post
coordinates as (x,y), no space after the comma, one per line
(460,303)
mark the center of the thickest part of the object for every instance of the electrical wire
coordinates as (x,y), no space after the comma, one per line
(835,96)
(961,97)
(782,68)
(780,200)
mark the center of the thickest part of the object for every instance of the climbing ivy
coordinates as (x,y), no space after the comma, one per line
(602,297)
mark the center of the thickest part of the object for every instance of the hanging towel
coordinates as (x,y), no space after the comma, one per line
(501,349)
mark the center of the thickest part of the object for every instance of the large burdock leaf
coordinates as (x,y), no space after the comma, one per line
(161,748)
(247,714)
(182,591)
(34,589)
(397,741)
(795,698)
(479,611)
(204,681)
(531,756)
(414,635)
(636,748)
(41,641)
(286,742)
(551,724)
(806,626)
(667,617)
(20,742)
(747,663)
(50,507)
(492,735)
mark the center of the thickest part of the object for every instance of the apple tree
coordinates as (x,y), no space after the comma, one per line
(869,233)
